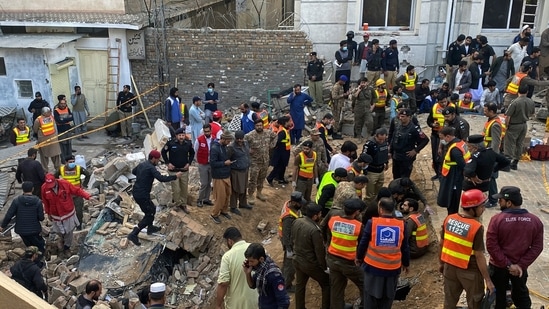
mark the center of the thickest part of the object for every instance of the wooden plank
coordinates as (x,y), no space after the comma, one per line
(13,295)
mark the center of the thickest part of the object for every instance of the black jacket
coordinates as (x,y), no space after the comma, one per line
(37,105)
(30,170)
(482,164)
(29,212)
(63,124)
(315,68)
(374,60)
(494,68)
(146,172)
(27,273)
(361,47)
(178,154)
(125,99)
(390,59)
(218,156)
(476,76)
(454,53)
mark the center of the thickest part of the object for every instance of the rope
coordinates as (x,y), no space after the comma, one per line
(55,139)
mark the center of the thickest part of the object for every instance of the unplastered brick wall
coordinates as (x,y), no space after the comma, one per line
(241,63)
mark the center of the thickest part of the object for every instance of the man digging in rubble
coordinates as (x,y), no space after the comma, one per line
(57,196)
(146,173)
(179,154)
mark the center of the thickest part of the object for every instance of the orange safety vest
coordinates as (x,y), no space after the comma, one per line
(47,125)
(286,211)
(352,169)
(421,235)
(447,160)
(21,137)
(513,86)
(306,166)
(263,115)
(286,140)
(384,248)
(410,83)
(320,125)
(345,233)
(457,244)
(62,112)
(488,127)
(71,176)
(462,104)
(381,98)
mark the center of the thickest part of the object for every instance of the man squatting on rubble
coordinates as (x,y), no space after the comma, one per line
(146,173)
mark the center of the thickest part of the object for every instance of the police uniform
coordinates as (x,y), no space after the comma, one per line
(288,215)
(376,169)
(74,177)
(460,125)
(181,156)
(260,144)
(404,139)
(483,164)
(451,182)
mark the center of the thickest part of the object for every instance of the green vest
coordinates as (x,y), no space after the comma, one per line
(327,179)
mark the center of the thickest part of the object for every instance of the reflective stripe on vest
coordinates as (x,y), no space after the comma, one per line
(72,176)
(384,248)
(448,160)
(286,211)
(438,116)
(381,98)
(21,137)
(264,116)
(320,125)
(513,86)
(421,235)
(327,179)
(457,244)
(203,151)
(488,130)
(286,140)
(307,165)
(47,125)
(344,240)
(463,105)
(410,83)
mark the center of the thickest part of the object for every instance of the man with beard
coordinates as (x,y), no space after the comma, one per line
(305,171)
(63,119)
(90,296)
(378,148)
(267,278)
(260,141)
(146,173)
(310,256)
(239,153)
(35,107)
(416,226)
(201,148)
(290,212)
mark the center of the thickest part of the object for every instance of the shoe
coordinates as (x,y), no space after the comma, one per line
(337,136)
(270,182)
(208,202)
(435,177)
(283,182)
(200,204)
(235,211)
(215,219)
(74,150)
(260,196)
(251,199)
(184,208)
(133,238)
(249,207)
(506,169)
(226,215)
(514,165)
(153,229)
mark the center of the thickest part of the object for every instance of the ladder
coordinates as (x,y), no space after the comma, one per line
(529,11)
(113,74)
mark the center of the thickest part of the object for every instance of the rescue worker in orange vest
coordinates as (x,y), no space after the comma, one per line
(520,78)
(381,100)
(408,81)
(72,173)
(455,158)
(359,166)
(383,252)
(462,260)
(323,126)
(494,131)
(415,222)
(44,127)
(466,105)
(261,114)
(344,231)
(290,212)
(281,153)
(21,133)
(305,170)
(63,120)
(435,120)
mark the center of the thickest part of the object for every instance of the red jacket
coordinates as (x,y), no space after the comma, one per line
(60,206)
(514,236)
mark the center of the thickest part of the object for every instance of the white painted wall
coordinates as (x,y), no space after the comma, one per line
(106,6)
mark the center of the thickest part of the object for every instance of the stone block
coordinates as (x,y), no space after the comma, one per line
(162,133)
(78,285)
(57,292)
(60,302)
(19,251)
(192,274)
(123,243)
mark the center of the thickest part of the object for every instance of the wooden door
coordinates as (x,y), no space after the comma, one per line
(93,70)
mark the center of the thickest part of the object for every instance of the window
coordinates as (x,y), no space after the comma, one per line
(388,13)
(94,32)
(24,89)
(2,67)
(509,14)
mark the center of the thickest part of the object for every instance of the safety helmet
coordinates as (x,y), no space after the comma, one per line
(380,82)
(468,95)
(217,115)
(472,198)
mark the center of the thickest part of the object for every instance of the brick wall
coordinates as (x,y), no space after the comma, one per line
(241,63)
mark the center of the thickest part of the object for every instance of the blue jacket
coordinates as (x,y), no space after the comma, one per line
(297,104)
(274,295)
(247,121)
(172,110)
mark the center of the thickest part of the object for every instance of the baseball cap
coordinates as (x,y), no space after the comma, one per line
(340,172)
(475,139)
(49,181)
(405,112)
(510,193)
(32,250)
(365,158)
(297,197)
(449,110)
(312,54)
(180,131)
(154,154)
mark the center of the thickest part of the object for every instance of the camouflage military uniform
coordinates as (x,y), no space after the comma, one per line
(321,160)
(260,144)
(338,101)
(344,191)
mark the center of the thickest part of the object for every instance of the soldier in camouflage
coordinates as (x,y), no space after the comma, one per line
(318,147)
(338,101)
(260,141)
